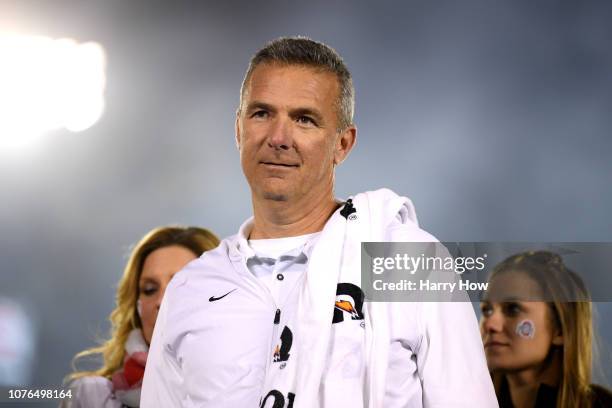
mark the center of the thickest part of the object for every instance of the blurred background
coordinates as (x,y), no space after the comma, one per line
(494,117)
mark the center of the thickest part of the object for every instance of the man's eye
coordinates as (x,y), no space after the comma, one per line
(259,114)
(306,120)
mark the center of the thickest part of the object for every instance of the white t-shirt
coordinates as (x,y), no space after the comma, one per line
(280,262)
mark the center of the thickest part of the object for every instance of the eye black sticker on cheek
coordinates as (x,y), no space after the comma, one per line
(526,329)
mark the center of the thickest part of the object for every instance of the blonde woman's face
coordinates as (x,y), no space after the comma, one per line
(516,334)
(157,270)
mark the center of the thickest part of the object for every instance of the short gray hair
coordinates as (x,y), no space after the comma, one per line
(304,51)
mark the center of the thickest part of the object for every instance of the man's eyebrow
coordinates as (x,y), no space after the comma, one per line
(296,112)
(307,112)
(259,105)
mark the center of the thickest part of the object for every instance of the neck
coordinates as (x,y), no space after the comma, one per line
(280,219)
(524,384)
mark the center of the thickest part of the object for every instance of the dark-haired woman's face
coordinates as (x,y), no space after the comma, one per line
(516,334)
(157,270)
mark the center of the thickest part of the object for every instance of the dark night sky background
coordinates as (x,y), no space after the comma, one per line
(494,117)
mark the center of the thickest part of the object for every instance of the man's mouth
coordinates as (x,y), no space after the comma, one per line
(279,164)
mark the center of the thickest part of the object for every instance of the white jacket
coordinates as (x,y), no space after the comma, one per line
(220,341)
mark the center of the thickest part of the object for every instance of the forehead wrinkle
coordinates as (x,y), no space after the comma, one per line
(276,86)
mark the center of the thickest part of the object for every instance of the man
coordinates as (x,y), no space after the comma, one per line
(275,317)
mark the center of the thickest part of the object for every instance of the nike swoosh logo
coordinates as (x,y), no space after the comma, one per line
(212,298)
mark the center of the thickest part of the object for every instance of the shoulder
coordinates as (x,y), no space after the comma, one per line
(395,215)
(204,266)
(601,396)
(399,231)
(205,274)
(93,391)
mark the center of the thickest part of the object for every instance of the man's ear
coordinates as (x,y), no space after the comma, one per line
(345,142)
(237,129)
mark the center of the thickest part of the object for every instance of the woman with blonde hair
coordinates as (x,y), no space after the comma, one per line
(154,260)
(536,327)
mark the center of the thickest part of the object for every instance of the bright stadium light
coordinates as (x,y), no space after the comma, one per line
(48,84)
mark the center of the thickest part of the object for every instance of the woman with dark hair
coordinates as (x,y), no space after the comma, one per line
(536,327)
(154,260)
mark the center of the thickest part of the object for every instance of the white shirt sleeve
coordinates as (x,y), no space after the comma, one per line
(163,379)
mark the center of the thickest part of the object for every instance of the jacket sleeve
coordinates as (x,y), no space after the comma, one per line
(450,360)
(163,380)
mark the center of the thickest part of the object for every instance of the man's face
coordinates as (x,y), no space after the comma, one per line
(286,131)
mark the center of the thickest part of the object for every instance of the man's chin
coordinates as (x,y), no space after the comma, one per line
(273,189)
(268,195)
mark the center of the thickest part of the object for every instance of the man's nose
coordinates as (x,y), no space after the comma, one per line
(279,137)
